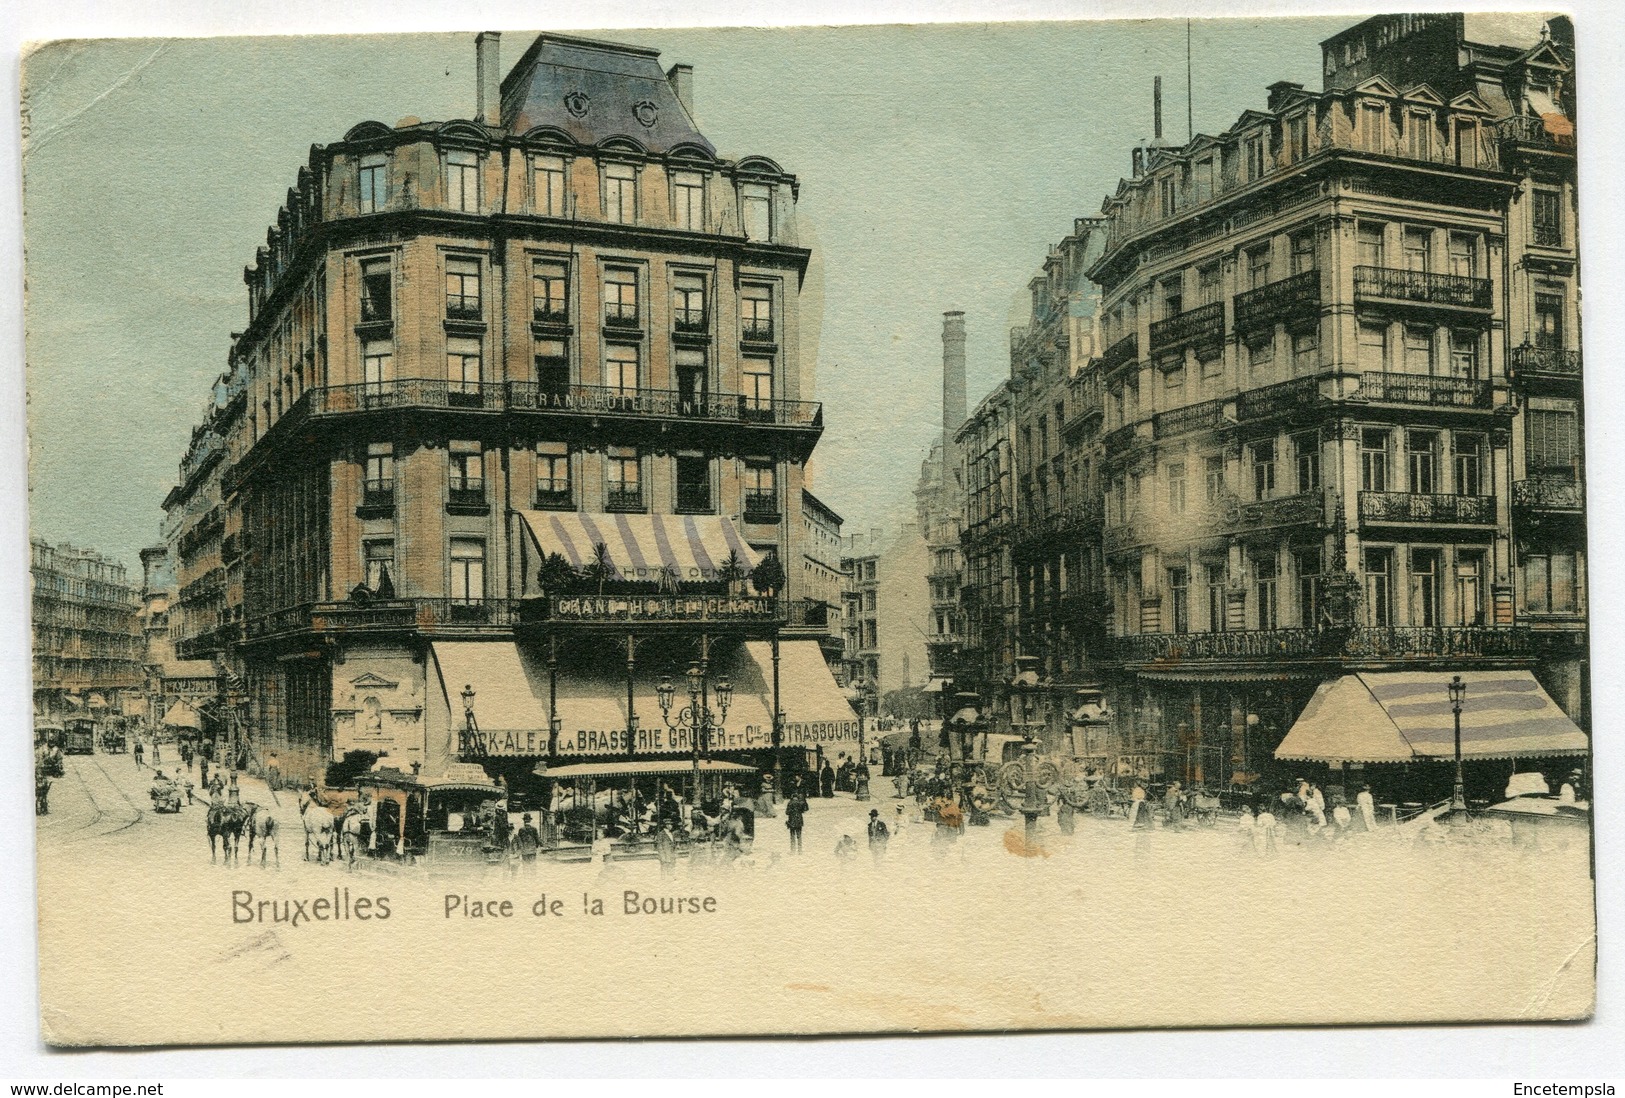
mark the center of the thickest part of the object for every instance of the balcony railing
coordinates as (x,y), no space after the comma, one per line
(463,307)
(761,506)
(403,393)
(758,330)
(378,494)
(1203,325)
(466,493)
(1549,492)
(688,321)
(552,315)
(1422,287)
(422,615)
(1447,392)
(1524,130)
(1426,507)
(1529,359)
(530,396)
(1119,439)
(1206,416)
(694,498)
(623,499)
(1287,299)
(807,613)
(1286,398)
(620,314)
(554,499)
(1360,642)
(1121,353)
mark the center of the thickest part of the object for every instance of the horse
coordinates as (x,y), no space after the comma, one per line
(262,825)
(318,823)
(226,821)
(354,832)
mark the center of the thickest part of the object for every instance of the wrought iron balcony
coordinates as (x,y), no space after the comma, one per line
(624,499)
(1448,392)
(1422,288)
(694,498)
(756,330)
(1287,299)
(387,616)
(1529,359)
(1203,326)
(1524,130)
(1549,492)
(464,307)
(1207,416)
(761,505)
(466,492)
(554,499)
(1287,398)
(1382,507)
(620,314)
(402,393)
(378,495)
(553,314)
(1366,642)
(688,321)
(1119,439)
(1121,353)
(528,396)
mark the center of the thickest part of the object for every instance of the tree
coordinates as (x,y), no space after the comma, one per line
(731,570)
(600,569)
(555,574)
(768,576)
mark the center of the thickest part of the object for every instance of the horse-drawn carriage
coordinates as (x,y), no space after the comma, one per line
(114,740)
(79,736)
(441,818)
(166,795)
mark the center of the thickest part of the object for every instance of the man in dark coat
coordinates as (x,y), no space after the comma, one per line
(826,780)
(795,814)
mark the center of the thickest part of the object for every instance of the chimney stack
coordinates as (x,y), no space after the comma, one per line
(488,78)
(1156,108)
(681,79)
(953,387)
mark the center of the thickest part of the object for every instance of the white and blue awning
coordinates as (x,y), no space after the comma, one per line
(647,547)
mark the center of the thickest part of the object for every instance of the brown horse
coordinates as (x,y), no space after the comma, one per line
(263,826)
(226,822)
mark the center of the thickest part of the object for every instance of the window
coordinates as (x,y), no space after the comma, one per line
(1173,297)
(1216,582)
(1297,132)
(1207,284)
(1211,362)
(1549,583)
(1173,374)
(1309,587)
(379,472)
(378,367)
(1253,148)
(756,211)
(467,470)
(692,379)
(1422,461)
(1549,320)
(624,480)
(1373,461)
(1266,590)
(1466,132)
(756,313)
(621,297)
(1468,451)
(1373,348)
(1179,585)
(620,193)
(550,291)
(1258,267)
(621,369)
(1370,244)
(1168,196)
(761,491)
(1469,587)
(1463,255)
(1261,353)
(688,200)
(1374,127)
(373,196)
(462,289)
(548,177)
(1547,210)
(1305,351)
(463,367)
(1303,251)
(693,483)
(552,369)
(1202,179)
(1213,478)
(1176,488)
(1425,582)
(1306,458)
(467,570)
(463,180)
(756,376)
(1418,350)
(378,561)
(688,303)
(1418,249)
(1552,432)
(377,295)
(1263,469)
(553,475)
(1419,135)
(1379,593)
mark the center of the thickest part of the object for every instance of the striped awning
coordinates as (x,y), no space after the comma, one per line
(648,547)
(1405,716)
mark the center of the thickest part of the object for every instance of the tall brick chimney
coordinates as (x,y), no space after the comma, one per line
(953,386)
(488,77)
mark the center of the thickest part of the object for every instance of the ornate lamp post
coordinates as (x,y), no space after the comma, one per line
(471,730)
(696,717)
(1458,693)
(1036,781)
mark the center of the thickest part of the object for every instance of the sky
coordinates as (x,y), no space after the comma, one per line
(937,165)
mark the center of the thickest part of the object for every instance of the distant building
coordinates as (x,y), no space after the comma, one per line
(823,582)
(87,639)
(887,613)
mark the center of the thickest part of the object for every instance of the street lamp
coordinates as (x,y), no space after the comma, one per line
(1036,781)
(470,729)
(697,716)
(1458,692)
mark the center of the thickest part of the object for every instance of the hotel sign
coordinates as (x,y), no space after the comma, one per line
(657,608)
(662,740)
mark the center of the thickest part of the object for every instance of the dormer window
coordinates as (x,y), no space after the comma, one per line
(1167,196)
(1203,179)
(1374,127)
(463,180)
(1466,142)
(549,180)
(1253,148)
(756,211)
(1418,135)
(1297,134)
(688,200)
(372,192)
(620,193)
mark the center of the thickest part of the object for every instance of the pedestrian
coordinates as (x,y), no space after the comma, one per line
(1174,805)
(203,771)
(527,841)
(1066,817)
(1569,791)
(666,848)
(1367,807)
(795,813)
(1315,806)
(879,835)
(826,780)
(1264,833)
(140,754)
(1245,826)
(273,770)
(232,793)
(846,849)
(860,777)
(189,789)
(1136,804)
(42,792)
(157,753)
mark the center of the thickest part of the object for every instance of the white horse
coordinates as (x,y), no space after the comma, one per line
(354,832)
(318,823)
(263,826)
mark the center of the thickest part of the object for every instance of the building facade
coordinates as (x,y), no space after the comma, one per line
(87,639)
(519,397)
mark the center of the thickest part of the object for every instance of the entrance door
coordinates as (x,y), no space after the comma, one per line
(389,825)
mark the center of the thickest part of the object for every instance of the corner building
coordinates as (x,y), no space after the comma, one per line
(564,328)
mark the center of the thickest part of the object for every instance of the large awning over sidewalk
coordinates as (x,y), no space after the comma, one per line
(1404,716)
(652,547)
